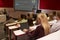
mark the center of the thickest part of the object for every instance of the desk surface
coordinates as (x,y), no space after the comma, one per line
(23,21)
(53,36)
(18,32)
(33,27)
(13,27)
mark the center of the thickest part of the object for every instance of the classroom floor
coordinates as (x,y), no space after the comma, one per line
(2,33)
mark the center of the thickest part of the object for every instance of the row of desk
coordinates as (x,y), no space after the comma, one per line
(52,36)
(12,30)
(16,33)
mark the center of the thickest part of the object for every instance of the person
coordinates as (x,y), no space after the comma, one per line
(52,18)
(56,26)
(30,20)
(18,24)
(23,18)
(42,29)
(34,16)
(5,12)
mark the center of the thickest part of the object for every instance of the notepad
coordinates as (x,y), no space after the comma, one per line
(18,32)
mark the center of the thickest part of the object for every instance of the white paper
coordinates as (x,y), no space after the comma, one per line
(19,32)
(13,27)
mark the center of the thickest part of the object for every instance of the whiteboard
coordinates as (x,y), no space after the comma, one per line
(26,5)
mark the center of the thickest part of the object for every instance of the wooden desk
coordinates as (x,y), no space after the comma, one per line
(52,36)
(20,35)
(11,29)
(18,32)
(9,24)
(31,28)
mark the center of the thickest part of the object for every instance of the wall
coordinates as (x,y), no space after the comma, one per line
(15,14)
(6,3)
(44,4)
(50,4)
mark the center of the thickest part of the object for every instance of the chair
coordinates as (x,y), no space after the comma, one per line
(24,26)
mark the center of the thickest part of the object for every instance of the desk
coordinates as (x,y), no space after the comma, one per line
(33,27)
(23,21)
(52,36)
(20,35)
(18,32)
(10,24)
(11,29)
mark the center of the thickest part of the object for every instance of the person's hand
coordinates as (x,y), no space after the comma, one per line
(25,30)
(18,25)
(31,28)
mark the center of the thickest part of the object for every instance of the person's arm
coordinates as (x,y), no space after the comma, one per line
(54,28)
(39,32)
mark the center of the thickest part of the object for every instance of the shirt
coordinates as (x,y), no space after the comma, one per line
(52,22)
(55,27)
(37,33)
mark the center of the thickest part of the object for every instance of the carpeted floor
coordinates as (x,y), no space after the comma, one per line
(2,33)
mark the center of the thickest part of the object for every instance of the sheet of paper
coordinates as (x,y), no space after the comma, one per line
(19,32)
